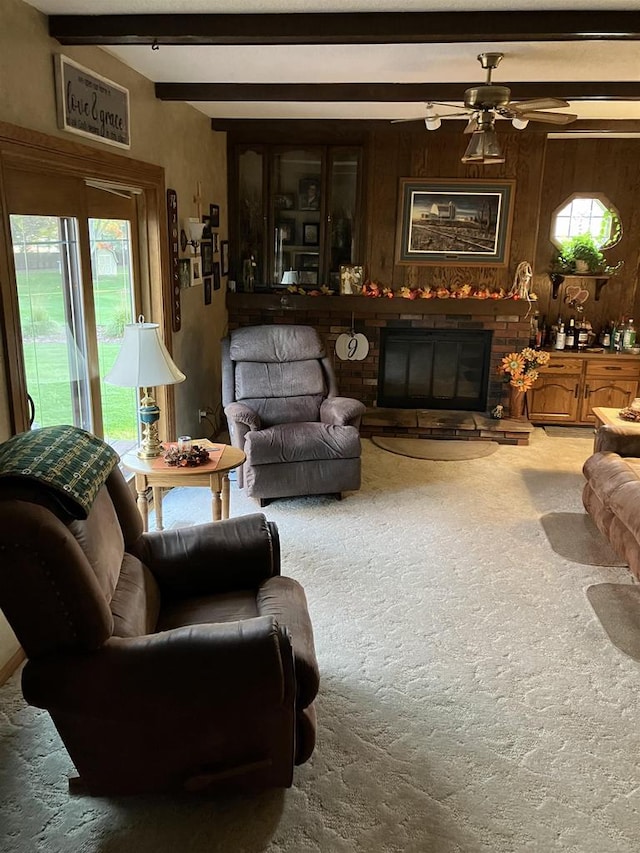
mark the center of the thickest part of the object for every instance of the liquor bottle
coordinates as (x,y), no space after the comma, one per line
(605,337)
(616,338)
(571,339)
(629,335)
(560,337)
(583,335)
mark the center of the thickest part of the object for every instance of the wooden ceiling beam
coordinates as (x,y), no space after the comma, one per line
(346,28)
(388,92)
(354,130)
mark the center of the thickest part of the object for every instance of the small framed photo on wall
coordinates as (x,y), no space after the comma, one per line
(216,276)
(207,291)
(206,250)
(224,257)
(214,215)
(184,272)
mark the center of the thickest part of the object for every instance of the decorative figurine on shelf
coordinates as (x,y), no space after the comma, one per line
(497,411)
(521,288)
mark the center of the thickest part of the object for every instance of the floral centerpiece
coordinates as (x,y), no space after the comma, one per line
(522,368)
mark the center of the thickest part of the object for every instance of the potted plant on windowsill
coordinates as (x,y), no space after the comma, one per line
(580,255)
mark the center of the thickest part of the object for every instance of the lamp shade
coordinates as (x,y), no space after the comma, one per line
(194,229)
(143,360)
(483,147)
(289,277)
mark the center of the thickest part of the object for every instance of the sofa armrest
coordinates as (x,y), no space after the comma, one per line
(341,411)
(617,439)
(241,414)
(238,553)
(212,669)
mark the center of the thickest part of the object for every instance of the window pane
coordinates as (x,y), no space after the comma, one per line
(110,243)
(50,304)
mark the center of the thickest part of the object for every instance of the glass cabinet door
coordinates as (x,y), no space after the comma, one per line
(297,224)
(343,203)
(251,265)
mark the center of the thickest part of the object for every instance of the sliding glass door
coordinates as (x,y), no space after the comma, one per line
(77,290)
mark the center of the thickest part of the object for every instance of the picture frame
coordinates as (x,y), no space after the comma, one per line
(310,233)
(284,201)
(195,273)
(207,291)
(206,253)
(224,257)
(351,279)
(214,215)
(305,262)
(184,272)
(287,231)
(206,231)
(456,222)
(216,276)
(308,276)
(309,193)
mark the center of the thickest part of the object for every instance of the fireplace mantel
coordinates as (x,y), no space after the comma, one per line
(366,305)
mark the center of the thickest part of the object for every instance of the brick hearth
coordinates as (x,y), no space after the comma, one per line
(334,315)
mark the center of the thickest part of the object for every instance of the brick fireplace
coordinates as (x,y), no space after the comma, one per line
(334,315)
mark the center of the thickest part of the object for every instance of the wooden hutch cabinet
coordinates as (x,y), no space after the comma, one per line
(295,214)
(573,383)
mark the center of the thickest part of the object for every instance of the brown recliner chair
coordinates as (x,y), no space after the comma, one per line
(179,659)
(283,410)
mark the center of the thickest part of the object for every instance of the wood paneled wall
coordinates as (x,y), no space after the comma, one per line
(420,154)
(546,173)
(611,167)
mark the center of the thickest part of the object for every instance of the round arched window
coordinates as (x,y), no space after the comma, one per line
(586,213)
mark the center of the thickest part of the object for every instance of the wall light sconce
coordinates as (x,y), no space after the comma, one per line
(191,234)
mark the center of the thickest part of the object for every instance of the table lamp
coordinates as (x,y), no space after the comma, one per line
(144,362)
(289,277)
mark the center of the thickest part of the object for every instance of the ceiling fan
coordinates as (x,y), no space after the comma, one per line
(485,103)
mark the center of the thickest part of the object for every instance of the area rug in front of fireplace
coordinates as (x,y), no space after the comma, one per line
(617,606)
(438,450)
(575,537)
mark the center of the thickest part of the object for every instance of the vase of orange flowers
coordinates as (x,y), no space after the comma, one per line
(522,370)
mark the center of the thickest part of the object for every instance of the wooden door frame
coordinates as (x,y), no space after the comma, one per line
(35,152)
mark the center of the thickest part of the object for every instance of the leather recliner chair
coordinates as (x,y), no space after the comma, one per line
(283,410)
(174,659)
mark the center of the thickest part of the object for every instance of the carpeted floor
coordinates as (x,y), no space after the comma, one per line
(470,701)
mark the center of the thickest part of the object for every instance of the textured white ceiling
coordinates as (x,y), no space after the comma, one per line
(389,63)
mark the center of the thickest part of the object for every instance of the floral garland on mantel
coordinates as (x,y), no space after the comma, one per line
(376,291)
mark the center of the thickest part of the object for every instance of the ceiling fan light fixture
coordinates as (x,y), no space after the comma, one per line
(432,120)
(483,148)
(519,123)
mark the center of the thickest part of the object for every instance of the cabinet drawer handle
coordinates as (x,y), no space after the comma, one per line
(575,393)
(612,367)
(586,392)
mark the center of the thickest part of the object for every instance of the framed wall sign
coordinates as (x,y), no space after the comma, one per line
(91,105)
(454,222)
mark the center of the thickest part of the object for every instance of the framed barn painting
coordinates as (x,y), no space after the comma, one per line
(454,222)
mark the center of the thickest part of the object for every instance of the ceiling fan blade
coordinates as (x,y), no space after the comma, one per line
(401,120)
(550,118)
(537,104)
